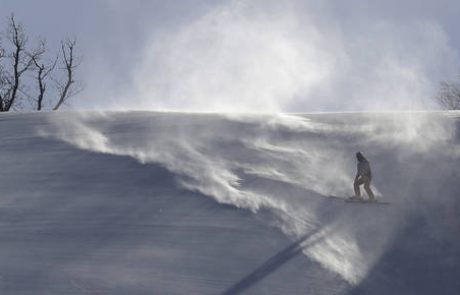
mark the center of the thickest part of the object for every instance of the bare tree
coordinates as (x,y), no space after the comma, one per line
(449,95)
(66,88)
(42,72)
(3,80)
(20,59)
(16,59)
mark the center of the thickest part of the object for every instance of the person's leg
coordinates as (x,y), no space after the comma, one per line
(367,188)
(356,185)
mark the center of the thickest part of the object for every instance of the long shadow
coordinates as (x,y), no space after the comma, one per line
(273,263)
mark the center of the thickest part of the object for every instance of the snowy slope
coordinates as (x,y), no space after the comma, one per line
(173,203)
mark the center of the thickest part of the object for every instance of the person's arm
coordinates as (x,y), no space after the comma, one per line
(357,172)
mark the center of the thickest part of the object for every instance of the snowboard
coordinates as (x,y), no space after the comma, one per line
(360,201)
(366,201)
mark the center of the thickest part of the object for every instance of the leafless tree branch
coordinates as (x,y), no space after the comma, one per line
(42,72)
(20,59)
(70,62)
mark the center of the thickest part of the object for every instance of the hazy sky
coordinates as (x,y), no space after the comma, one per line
(252,55)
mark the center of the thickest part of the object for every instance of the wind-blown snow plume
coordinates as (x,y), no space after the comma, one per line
(264,56)
(282,164)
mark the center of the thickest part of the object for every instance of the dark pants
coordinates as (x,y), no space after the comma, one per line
(367,182)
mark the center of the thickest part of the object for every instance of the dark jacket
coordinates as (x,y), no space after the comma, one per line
(364,169)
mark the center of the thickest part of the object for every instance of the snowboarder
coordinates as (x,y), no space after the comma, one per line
(363,176)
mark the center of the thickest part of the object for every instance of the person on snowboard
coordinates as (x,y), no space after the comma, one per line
(363,176)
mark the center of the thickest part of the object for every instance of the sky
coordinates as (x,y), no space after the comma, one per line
(252,55)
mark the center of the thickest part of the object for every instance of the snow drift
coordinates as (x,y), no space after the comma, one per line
(174,203)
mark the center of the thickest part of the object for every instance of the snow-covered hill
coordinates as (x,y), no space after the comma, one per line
(174,203)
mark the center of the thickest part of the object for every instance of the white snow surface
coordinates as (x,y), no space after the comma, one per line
(187,203)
